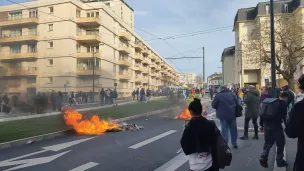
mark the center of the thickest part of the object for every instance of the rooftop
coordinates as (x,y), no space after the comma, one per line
(229,51)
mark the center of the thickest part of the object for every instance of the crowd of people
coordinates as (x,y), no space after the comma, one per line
(198,140)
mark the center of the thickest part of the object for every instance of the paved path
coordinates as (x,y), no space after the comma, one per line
(154,148)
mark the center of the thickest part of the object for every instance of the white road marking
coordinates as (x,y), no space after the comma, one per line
(27,155)
(148,141)
(85,166)
(62,146)
(29,162)
(174,163)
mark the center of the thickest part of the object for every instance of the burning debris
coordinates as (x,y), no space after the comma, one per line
(93,126)
(185,115)
(130,127)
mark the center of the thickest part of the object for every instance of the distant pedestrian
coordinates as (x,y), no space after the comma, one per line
(142,94)
(199,140)
(137,94)
(53,100)
(295,127)
(108,97)
(15,100)
(133,94)
(59,100)
(252,101)
(225,105)
(91,94)
(44,101)
(80,97)
(70,98)
(148,95)
(211,92)
(84,97)
(274,114)
(114,96)
(264,95)
(102,97)
(5,99)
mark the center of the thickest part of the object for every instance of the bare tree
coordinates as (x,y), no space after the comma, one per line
(289,51)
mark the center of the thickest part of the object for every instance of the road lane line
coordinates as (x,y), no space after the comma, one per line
(64,145)
(148,141)
(174,163)
(85,166)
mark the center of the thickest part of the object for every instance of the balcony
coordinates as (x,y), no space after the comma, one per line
(25,71)
(124,35)
(153,74)
(145,70)
(88,71)
(12,56)
(19,20)
(88,21)
(153,66)
(138,57)
(138,79)
(124,62)
(139,46)
(153,57)
(145,81)
(87,54)
(19,37)
(145,52)
(123,48)
(137,68)
(124,76)
(158,68)
(88,38)
(145,61)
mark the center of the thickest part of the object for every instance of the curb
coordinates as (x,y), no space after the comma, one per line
(71,131)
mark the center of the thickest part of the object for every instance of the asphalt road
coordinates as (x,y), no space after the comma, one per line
(153,148)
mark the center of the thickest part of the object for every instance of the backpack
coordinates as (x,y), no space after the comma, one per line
(268,108)
(223,152)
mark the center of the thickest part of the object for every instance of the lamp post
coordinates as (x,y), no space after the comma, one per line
(273,60)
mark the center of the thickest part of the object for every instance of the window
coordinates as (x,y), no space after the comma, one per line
(32,48)
(51,9)
(286,8)
(51,44)
(50,79)
(15,49)
(51,62)
(114,69)
(78,48)
(50,27)
(31,80)
(267,9)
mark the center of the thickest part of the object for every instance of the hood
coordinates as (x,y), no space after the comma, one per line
(254,92)
(299,97)
(285,88)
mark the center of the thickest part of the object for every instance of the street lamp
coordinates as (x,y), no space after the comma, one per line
(273,60)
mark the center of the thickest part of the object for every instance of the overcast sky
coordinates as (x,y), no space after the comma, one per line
(164,18)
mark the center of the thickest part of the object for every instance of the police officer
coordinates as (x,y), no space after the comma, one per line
(273,132)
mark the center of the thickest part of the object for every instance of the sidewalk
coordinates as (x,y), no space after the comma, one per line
(81,107)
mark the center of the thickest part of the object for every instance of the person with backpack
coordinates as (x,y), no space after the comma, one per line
(294,125)
(274,111)
(252,101)
(199,140)
(264,95)
(291,97)
(225,104)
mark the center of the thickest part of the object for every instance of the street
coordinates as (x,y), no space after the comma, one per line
(156,147)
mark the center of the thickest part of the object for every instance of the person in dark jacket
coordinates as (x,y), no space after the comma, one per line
(224,103)
(273,132)
(291,97)
(59,100)
(102,97)
(199,139)
(294,126)
(114,96)
(133,94)
(148,95)
(264,95)
(5,99)
(53,100)
(252,101)
(137,94)
(142,94)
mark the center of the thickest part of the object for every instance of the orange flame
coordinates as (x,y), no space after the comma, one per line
(185,115)
(93,126)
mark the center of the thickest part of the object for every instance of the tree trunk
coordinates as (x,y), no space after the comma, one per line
(291,83)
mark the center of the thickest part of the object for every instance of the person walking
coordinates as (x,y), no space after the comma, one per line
(5,99)
(70,98)
(80,97)
(211,92)
(114,96)
(294,125)
(44,102)
(264,95)
(148,95)
(142,94)
(108,97)
(59,100)
(102,97)
(273,129)
(199,140)
(53,100)
(137,94)
(91,97)
(225,104)
(133,94)
(252,101)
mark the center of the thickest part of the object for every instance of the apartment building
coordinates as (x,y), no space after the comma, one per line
(64,45)
(188,79)
(228,65)
(215,80)
(245,22)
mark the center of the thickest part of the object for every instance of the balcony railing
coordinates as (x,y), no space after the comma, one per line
(87,54)
(89,37)
(137,68)
(138,79)
(124,76)
(145,70)
(22,71)
(124,48)
(88,71)
(19,37)
(88,21)
(139,46)
(18,55)
(146,61)
(124,35)
(124,62)
(19,20)
(145,51)
(138,57)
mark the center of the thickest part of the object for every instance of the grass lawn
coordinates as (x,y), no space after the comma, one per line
(14,130)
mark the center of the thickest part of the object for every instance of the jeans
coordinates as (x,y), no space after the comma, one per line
(274,136)
(255,125)
(231,125)
(114,101)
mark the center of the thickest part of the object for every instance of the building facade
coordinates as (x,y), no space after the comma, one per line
(65,45)
(215,80)
(228,65)
(245,22)
(190,79)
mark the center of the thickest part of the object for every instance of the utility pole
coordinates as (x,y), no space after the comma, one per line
(273,60)
(203,66)
(93,74)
